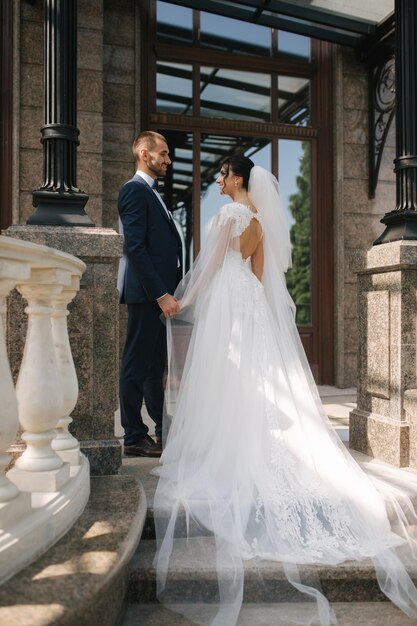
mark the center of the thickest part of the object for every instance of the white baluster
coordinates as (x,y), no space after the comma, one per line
(51,496)
(9,415)
(39,389)
(13,504)
(65,444)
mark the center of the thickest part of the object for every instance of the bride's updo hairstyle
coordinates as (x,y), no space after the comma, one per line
(240,165)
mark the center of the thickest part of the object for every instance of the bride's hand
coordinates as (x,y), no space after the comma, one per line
(169,305)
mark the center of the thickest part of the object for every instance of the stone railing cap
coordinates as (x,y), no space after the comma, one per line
(39,256)
(385,257)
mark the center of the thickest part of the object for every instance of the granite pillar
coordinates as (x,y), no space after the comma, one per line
(410,408)
(387,304)
(93,331)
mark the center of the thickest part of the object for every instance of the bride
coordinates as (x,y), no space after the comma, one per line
(251,460)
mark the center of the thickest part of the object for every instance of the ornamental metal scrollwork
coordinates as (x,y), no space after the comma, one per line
(382,109)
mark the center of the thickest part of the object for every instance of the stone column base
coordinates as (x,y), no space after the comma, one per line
(105,456)
(380,437)
(49,481)
(33,525)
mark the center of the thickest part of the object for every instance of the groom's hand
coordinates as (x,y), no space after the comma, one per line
(169,305)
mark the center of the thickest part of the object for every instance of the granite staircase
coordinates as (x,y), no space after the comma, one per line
(268,598)
(82,580)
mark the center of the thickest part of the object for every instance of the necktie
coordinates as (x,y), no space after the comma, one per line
(156,186)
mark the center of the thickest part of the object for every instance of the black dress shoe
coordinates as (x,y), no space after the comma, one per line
(143,447)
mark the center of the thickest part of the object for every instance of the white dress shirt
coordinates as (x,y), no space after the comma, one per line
(148,179)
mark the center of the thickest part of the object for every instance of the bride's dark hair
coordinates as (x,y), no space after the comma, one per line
(240,165)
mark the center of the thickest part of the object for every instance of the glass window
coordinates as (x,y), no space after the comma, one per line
(174,88)
(229,35)
(174,23)
(295,186)
(178,187)
(235,94)
(214,150)
(294,100)
(292,45)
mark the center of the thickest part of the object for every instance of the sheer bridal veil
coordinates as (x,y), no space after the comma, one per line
(300,499)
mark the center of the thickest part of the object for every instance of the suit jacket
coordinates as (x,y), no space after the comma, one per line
(152,245)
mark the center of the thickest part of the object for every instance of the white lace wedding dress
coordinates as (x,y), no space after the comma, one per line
(250,457)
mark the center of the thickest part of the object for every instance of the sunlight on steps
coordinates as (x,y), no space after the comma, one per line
(351,586)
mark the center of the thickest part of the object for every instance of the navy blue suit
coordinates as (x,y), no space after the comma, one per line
(152,248)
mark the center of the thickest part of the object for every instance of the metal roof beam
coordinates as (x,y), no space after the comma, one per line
(320,16)
(290,23)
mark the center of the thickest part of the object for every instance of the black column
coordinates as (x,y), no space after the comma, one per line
(6,113)
(402,222)
(58,201)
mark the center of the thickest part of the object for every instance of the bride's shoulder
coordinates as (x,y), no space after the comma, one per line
(231,209)
(236,214)
(230,206)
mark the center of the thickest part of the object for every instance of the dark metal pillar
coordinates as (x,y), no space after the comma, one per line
(58,201)
(402,222)
(6,113)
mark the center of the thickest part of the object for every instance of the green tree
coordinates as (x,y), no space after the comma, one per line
(299,276)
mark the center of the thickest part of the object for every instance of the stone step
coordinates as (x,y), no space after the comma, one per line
(351,587)
(183,528)
(142,468)
(265,581)
(82,579)
(404,481)
(266,614)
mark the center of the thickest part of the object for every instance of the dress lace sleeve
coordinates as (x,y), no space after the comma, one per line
(240,216)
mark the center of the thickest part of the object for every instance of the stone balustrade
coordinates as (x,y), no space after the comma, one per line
(49,485)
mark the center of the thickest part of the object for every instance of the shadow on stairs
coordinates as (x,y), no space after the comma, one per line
(83,579)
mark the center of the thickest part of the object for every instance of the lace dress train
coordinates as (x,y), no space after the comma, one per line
(252,460)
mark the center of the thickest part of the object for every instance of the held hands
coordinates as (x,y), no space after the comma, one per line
(169,305)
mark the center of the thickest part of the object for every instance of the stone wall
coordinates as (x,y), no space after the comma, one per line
(118,102)
(356,216)
(30,102)
(120,110)
(90,105)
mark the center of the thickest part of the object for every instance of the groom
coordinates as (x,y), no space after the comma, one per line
(148,274)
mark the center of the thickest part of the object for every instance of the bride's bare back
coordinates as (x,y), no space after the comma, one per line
(251,245)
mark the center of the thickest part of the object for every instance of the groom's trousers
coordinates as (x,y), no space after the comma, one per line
(142,368)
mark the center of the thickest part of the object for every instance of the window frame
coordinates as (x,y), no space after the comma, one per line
(318,339)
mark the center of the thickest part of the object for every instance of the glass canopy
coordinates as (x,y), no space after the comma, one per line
(347,22)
